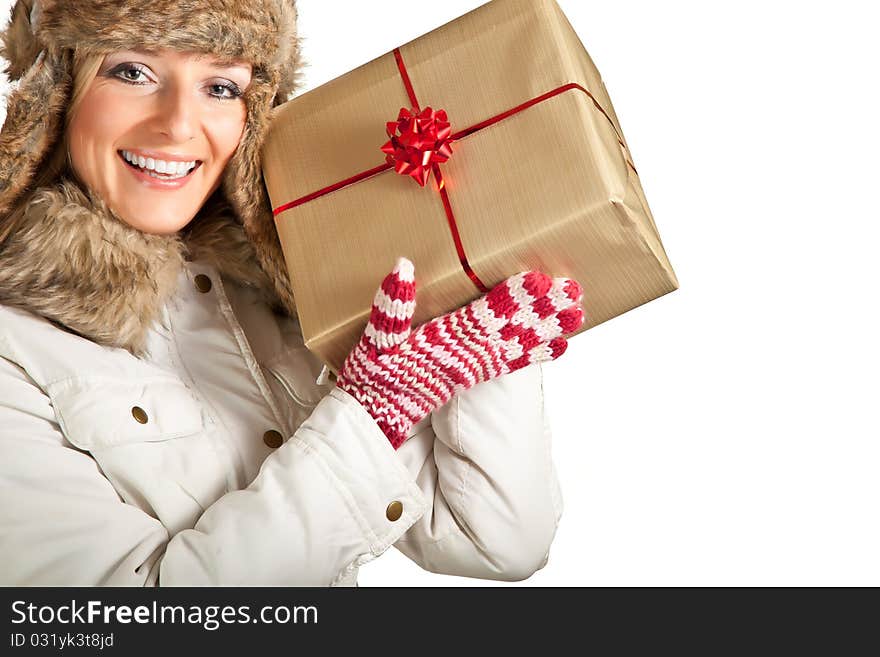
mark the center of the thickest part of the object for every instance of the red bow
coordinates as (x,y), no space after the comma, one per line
(423,141)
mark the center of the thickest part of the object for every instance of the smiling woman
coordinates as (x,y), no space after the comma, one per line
(153,133)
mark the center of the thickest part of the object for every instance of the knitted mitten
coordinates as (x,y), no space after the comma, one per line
(400,375)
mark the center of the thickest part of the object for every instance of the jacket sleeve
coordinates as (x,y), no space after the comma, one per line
(312,516)
(485,461)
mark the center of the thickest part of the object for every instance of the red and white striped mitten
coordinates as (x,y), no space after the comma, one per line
(400,375)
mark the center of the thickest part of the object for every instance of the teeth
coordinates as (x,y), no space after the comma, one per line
(172,169)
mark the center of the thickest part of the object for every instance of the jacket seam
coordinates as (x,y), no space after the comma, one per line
(248,357)
(467,461)
(550,477)
(354,566)
(103,378)
(17,360)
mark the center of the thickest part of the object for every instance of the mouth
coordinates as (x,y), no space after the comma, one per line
(159,177)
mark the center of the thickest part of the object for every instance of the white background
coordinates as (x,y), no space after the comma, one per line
(726,433)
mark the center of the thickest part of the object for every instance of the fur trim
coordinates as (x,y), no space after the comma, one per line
(19,47)
(34,116)
(70,259)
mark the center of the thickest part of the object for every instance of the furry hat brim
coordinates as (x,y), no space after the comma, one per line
(44,36)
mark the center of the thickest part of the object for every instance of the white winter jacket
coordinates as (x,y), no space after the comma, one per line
(116,470)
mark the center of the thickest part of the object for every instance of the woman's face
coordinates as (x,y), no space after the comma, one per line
(165,109)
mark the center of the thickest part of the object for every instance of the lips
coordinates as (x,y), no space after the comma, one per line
(158,183)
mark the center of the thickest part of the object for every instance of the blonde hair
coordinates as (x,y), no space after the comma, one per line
(58,164)
(85,69)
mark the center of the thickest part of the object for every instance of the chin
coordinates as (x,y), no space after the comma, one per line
(154,226)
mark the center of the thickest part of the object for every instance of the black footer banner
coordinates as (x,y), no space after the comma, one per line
(139,621)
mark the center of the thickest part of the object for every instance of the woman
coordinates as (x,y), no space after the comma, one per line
(161,422)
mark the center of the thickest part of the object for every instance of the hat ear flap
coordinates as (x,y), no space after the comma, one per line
(289,59)
(35,112)
(19,46)
(246,193)
(243,184)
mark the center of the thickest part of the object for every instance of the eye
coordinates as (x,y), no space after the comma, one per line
(224,88)
(122,69)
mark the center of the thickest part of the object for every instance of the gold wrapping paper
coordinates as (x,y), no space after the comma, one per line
(549,188)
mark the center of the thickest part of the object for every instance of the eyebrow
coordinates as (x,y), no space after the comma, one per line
(222,62)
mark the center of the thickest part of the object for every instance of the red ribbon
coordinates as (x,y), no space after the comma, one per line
(421,141)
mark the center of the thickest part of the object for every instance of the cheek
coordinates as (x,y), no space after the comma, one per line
(225,133)
(100,121)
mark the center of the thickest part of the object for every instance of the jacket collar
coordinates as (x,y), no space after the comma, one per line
(67,257)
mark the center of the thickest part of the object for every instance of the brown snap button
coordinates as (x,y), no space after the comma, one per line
(273,439)
(139,414)
(394,511)
(203,283)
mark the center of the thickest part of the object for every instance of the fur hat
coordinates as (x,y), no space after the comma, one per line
(62,237)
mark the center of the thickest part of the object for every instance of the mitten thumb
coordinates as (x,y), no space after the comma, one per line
(393,307)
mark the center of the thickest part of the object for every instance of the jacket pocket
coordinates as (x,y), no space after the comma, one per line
(99,412)
(149,439)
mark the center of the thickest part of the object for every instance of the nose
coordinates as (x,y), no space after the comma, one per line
(178,114)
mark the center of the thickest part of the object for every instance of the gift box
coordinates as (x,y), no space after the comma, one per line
(486,147)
